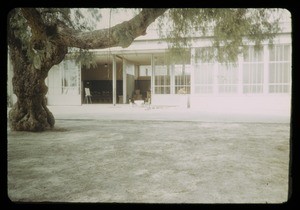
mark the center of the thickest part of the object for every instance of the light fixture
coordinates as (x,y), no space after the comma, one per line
(105,65)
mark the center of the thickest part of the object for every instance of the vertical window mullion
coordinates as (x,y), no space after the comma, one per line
(255,76)
(282,77)
(250,79)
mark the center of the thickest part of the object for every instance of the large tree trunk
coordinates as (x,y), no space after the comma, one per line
(32,56)
(30,112)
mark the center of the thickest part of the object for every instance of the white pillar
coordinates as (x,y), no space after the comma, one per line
(124,81)
(240,75)
(114,80)
(152,75)
(215,79)
(79,80)
(172,78)
(193,67)
(266,70)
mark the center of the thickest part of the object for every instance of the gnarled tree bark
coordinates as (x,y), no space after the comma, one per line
(30,112)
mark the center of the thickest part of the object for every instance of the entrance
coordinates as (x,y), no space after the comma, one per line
(132,79)
(100,83)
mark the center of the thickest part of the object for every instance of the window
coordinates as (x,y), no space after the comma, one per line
(54,81)
(204,78)
(253,71)
(280,69)
(162,80)
(129,68)
(145,71)
(182,79)
(227,78)
(70,78)
(204,71)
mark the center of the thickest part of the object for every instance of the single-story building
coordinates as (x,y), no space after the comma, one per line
(259,79)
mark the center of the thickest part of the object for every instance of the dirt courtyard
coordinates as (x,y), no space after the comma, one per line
(150,161)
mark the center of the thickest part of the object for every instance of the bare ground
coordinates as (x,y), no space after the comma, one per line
(146,161)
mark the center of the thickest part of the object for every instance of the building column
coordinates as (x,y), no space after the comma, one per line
(240,75)
(193,67)
(172,78)
(124,82)
(266,70)
(215,79)
(152,75)
(114,80)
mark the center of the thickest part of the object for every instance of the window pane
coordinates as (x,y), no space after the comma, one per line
(203,89)
(246,74)
(287,54)
(162,80)
(253,71)
(280,69)
(272,53)
(204,74)
(145,70)
(272,73)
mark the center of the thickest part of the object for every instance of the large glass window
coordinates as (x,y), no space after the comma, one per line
(70,78)
(227,78)
(182,79)
(204,78)
(280,69)
(130,68)
(204,71)
(54,81)
(162,79)
(253,71)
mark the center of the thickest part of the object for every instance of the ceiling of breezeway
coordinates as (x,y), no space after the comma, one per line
(136,58)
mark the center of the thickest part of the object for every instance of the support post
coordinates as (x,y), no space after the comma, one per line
(240,75)
(193,68)
(172,78)
(124,81)
(152,76)
(266,70)
(215,79)
(114,82)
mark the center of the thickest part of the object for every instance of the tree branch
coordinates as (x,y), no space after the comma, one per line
(122,34)
(34,20)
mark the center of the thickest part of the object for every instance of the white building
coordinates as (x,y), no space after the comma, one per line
(260,80)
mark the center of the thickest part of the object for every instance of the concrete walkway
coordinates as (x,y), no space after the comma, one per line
(164,113)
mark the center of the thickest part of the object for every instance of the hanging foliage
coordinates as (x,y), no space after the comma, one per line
(229,28)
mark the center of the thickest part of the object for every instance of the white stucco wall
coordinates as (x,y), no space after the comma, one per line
(251,104)
(256,104)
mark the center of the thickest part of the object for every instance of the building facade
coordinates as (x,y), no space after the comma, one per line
(143,71)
